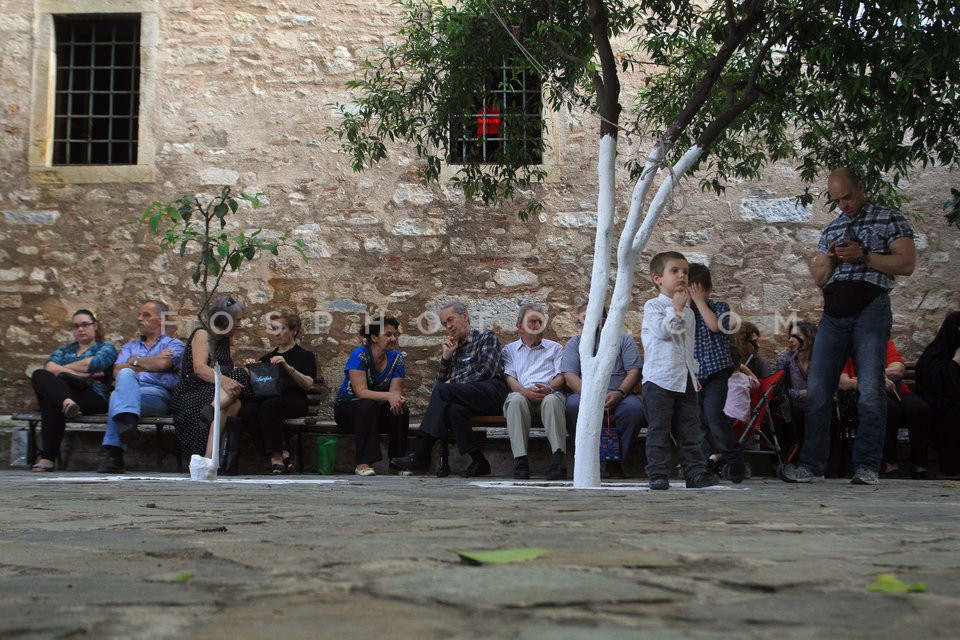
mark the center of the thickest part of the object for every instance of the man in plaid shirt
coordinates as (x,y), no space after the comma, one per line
(860,253)
(469,382)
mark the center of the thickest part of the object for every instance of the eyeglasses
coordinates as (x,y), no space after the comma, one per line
(80,325)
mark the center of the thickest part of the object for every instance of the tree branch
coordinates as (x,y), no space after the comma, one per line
(608,91)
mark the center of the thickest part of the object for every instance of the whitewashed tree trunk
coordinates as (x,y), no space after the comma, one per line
(596,370)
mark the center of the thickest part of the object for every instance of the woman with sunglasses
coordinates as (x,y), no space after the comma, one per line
(71,383)
(796,361)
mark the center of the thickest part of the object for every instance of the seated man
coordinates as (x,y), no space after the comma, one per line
(625,407)
(145,374)
(469,383)
(532,368)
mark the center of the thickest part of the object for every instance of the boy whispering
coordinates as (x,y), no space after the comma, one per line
(670,376)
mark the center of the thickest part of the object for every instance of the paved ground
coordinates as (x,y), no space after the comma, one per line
(163,557)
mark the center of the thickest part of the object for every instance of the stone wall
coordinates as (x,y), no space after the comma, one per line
(242,97)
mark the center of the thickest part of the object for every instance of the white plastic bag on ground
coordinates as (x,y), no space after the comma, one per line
(201,468)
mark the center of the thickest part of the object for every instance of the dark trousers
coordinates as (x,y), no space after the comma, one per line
(914,414)
(715,425)
(264,420)
(452,404)
(366,419)
(51,392)
(677,413)
(948,440)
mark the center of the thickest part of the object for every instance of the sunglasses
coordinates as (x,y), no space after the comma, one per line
(80,325)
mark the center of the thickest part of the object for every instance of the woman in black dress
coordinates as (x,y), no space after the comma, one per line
(298,368)
(938,382)
(192,405)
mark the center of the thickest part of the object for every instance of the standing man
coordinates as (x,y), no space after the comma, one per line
(621,402)
(145,374)
(532,368)
(860,253)
(469,383)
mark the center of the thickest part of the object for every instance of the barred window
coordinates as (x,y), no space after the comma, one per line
(97,100)
(508,120)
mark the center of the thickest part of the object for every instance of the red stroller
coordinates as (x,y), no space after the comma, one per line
(761,427)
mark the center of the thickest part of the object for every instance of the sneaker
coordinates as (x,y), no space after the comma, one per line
(615,470)
(702,480)
(558,466)
(796,473)
(479,467)
(864,475)
(714,464)
(521,468)
(113,463)
(409,462)
(659,483)
(735,472)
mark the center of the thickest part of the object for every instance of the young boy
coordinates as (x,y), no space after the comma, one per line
(711,349)
(670,376)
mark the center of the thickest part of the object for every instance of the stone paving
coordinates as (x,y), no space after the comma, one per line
(340,557)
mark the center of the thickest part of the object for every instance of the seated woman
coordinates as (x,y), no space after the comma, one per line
(370,400)
(749,336)
(71,383)
(904,409)
(938,382)
(265,419)
(796,361)
(192,405)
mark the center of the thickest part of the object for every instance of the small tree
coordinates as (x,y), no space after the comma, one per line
(200,222)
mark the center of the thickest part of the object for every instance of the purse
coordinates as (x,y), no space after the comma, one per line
(265,380)
(609,440)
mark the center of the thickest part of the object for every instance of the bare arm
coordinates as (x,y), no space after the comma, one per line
(574,383)
(847,382)
(823,266)
(901,261)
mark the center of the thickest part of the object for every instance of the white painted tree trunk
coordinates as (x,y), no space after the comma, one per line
(636,232)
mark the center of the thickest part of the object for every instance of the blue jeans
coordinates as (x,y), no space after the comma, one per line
(715,425)
(865,337)
(130,396)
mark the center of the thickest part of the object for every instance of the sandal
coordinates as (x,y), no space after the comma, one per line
(278,470)
(289,463)
(41,468)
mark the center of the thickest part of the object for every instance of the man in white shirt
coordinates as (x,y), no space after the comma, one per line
(532,371)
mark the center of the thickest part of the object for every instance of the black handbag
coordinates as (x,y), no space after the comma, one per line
(265,380)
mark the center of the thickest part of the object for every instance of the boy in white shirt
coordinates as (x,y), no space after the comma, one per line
(670,376)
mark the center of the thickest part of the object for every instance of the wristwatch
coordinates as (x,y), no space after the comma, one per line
(865,256)
(136,362)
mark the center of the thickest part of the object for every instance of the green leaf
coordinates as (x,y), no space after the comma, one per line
(183,577)
(223,249)
(499,556)
(889,583)
(220,210)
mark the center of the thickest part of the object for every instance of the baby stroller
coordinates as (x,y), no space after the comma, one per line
(761,428)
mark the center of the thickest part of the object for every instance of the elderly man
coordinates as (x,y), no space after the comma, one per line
(532,369)
(145,375)
(469,382)
(860,253)
(621,402)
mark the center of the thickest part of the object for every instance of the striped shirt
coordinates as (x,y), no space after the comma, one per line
(538,364)
(874,228)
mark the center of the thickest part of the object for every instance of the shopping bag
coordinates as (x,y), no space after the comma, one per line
(264,380)
(326,454)
(609,440)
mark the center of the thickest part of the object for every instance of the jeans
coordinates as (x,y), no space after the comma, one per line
(715,424)
(865,337)
(677,413)
(628,418)
(131,397)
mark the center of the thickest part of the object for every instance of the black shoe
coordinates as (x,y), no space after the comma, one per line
(443,461)
(409,462)
(702,480)
(558,466)
(130,435)
(521,468)
(479,467)
(659,483)
(113,463)
(615,470)
(736,472)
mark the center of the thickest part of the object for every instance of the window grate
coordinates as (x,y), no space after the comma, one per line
(508,121)
(97,90)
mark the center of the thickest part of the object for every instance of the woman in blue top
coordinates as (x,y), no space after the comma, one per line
(370,400)
(71,383)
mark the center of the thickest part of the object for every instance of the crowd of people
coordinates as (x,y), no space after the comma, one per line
(694,377)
